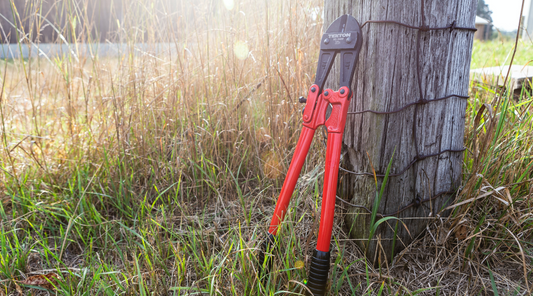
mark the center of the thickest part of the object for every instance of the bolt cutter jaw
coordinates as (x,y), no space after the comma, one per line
(340,101)
(315,110)
(314,114)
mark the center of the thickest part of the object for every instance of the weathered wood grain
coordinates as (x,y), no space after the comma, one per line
(386,79)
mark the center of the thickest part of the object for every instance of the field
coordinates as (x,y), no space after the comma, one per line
(158,175)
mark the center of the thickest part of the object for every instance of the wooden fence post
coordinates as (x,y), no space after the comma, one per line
(423,74)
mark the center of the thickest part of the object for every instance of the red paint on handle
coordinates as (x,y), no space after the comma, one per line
(330,189)
(298,159)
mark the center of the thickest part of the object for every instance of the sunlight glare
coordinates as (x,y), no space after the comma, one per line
(241,50)
(229,4)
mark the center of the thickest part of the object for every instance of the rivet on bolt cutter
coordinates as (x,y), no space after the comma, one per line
(343,37)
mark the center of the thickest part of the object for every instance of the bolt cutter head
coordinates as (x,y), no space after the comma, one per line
(342,36)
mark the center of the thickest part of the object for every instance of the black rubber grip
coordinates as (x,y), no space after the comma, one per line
(318,273)
(266,245)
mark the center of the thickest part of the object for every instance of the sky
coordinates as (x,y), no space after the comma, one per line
(505,13)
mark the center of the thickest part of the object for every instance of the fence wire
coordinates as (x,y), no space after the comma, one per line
(421,101)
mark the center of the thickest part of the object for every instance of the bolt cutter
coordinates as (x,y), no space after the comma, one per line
(343,37)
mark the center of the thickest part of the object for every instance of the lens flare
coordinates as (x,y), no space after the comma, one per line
(229,4)
(240,48)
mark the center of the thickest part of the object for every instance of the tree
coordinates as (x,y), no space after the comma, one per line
(390,76)
(483,10)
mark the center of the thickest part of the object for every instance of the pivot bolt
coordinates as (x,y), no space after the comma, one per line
(326,41)
(349,40)
(342,91)
(326,93)
(313,89)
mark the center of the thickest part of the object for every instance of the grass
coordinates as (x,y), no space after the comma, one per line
(157,175)
(498,52)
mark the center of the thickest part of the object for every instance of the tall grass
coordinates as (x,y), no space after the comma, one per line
(156,173)
(145,172)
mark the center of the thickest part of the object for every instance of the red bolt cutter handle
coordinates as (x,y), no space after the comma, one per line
(302,148)
(319,270)
(312,121)
(335,124)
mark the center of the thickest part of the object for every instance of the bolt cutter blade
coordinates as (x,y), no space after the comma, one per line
(344,23)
